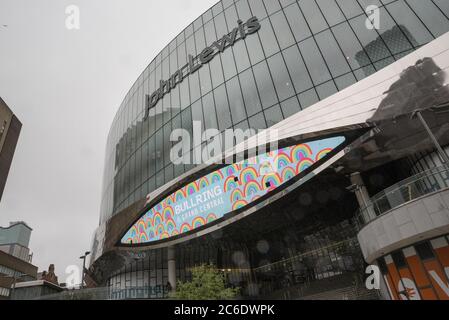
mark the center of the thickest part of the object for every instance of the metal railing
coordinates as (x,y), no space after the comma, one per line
(410,189)
(109,293)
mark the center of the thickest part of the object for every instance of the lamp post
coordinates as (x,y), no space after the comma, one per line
(437,109)
(84,267)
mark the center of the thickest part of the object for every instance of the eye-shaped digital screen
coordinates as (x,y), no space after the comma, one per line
(226,190)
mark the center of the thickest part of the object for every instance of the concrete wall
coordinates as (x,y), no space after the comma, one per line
(424,218)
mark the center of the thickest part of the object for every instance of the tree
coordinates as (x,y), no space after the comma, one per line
(208,283)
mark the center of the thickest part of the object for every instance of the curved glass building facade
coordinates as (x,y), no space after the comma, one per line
(304,52)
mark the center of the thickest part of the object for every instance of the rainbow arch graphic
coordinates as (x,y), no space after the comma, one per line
(226,190)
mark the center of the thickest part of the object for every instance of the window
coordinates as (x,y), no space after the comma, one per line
(297,22)
(314,61)
(409,23)
(282,30)
(313,15)
(273,115)
(353,51)
(235,100)
(210,117)
(399,259)
(331,11)
(258,8)
(222,107)
(282,81)
(370,39)
(250,95)
(424,251)
(265,85)
(269,42)
(332,53)
(297,69)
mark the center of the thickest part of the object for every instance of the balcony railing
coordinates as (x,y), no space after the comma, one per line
(108,293)
(415,187)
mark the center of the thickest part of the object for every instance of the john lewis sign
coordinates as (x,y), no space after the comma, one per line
(195,63)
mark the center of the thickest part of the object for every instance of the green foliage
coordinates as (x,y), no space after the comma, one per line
(208,283)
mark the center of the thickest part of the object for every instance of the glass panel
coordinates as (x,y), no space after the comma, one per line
(351,47)
(308,98)
(331,11)
(269,43)
(314,61)
(250,94)
(210,117)
(297,22)
(254,49)
(431,16)
(257,8)
(326,90)
(336,62)
(272,6)
(313,15)
(273,116)
(297,69)
(241,56)
(216,71)
(290,107)
(392,34)
(282,30)
(370,39)
(281,79)
(235,100)
(265,85)
(257,122)
(350,8)
(222,107)
(410,24)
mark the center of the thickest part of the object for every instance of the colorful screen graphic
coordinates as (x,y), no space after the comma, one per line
(226,190)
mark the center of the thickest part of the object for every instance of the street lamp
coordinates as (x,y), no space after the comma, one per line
(84,267)
(443,108)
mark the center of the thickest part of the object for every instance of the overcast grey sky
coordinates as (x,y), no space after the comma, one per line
(65,87)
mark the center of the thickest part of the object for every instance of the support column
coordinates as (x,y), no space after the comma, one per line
(171,257)
(362,195)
